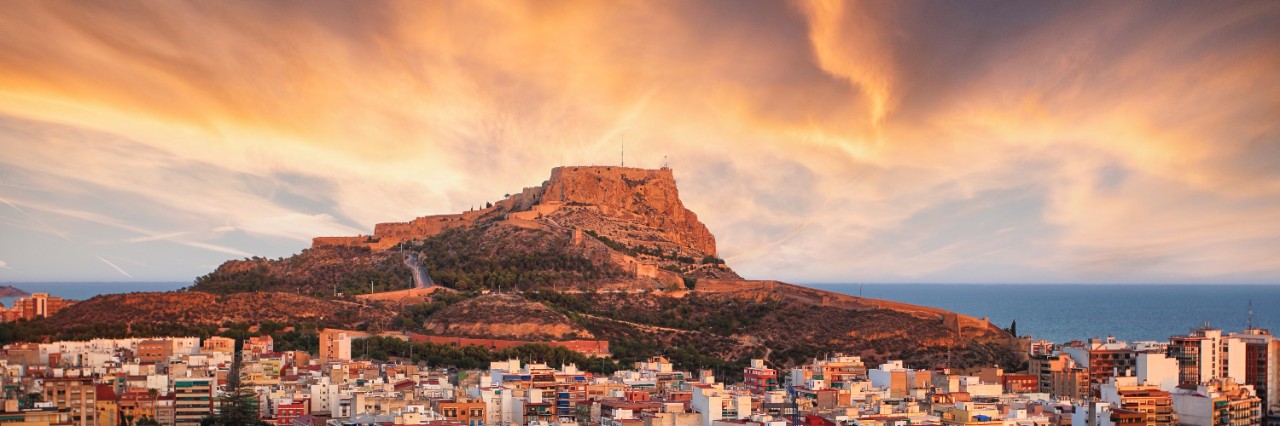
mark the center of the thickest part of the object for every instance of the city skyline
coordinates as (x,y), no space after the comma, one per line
(819,141)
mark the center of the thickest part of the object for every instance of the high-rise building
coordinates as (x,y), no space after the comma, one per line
(76,396)
(1044,366)
(1104,359)
(1205,354)
(1197,355)
(193,399)
(1071,383)
(1261,359)
(335,345)
(38,305)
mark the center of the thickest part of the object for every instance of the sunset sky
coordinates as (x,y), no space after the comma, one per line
(819,141)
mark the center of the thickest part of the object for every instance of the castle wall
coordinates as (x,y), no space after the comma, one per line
(620,192)
(356,241)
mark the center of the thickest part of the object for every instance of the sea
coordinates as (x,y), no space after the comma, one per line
(1054,312)
(85,290)
(1065,312)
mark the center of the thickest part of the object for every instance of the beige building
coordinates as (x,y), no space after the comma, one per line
(218,344)
(335,345)
(77,396)
(155,350)
(1218,402)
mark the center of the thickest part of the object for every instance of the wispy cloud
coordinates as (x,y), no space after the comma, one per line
(819,139)
(160,237)
(146,235)
(113,266)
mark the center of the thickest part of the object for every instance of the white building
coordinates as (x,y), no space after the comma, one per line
(1092,414)
(714,403)
(975,387)
(882,377)
(1157,369)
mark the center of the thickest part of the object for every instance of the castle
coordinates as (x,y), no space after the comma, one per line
(646,196)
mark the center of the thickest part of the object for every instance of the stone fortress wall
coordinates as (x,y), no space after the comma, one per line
(647,196)
(617,191)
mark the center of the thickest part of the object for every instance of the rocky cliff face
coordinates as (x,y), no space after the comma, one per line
(648,197)
(640,207)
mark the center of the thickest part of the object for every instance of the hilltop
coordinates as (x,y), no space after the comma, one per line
(11,291)
(593,252)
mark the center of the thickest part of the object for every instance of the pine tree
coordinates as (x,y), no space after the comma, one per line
(1013,328)
(239,405)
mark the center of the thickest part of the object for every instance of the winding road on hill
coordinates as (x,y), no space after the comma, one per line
(421,279)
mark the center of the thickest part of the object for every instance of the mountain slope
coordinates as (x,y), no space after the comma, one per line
(195,313)
(594,251)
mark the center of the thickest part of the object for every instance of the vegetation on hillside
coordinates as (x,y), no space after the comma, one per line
(723,331)
(475,357)
(493,257)
(317,272)
(187,313)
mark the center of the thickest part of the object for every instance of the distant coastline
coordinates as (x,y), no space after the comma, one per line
(1058,312)
(11,291)
(86,290)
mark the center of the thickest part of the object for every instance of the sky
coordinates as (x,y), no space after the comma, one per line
(820,141)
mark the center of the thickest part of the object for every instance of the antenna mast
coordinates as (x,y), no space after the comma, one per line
(624,150)
(1250,324)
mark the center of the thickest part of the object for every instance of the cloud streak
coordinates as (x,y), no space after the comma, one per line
(113,266)
(820,140)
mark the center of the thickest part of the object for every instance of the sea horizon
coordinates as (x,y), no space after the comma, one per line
(1055,312)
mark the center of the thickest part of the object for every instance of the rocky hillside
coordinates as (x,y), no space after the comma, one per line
(196,313)
(636,213)
(636,206)
(707,328)
(602,252)
(318,272)
(503,316)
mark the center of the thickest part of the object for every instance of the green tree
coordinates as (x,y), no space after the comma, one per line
(239,405)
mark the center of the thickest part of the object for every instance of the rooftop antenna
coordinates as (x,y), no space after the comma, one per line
(624,150)
(1250,324)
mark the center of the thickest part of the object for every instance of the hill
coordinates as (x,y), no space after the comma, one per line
(11,291)
(320,272)
(503,316)
(188,313)
(607,252)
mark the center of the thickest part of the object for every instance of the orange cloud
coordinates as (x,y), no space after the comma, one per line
(821,140)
